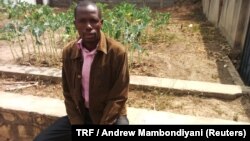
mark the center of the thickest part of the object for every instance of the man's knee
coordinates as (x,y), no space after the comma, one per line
(39,137)
(60,130)
(122,120)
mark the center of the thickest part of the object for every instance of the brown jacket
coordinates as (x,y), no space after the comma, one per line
(109,81)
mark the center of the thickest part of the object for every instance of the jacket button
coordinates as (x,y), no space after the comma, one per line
(78,76)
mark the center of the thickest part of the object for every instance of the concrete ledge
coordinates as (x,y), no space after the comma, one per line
(55,108)
(24,116)
(206,88)
(30,72)
(139,116)
(201,88)
(33,104)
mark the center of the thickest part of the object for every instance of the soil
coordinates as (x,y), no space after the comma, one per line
(194,50)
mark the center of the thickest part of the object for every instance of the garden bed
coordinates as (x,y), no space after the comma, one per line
(188,48)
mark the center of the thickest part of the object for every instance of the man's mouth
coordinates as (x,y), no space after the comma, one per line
(89,35)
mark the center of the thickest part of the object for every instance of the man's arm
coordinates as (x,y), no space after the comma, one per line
(119,93)
(71,110)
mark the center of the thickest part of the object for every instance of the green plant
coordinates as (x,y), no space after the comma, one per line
(49,30)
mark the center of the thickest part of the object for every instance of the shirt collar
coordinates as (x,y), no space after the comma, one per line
(81,47)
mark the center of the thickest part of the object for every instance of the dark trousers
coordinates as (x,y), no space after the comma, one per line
(60,130)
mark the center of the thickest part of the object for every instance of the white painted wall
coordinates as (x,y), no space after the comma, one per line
(29,1)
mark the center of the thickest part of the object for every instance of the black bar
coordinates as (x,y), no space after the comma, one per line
(182,132)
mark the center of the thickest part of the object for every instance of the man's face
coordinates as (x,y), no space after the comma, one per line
(88,24)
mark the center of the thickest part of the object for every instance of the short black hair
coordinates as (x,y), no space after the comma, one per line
(85,3)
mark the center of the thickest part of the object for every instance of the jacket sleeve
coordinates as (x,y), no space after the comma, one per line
(73,114)
(119,93)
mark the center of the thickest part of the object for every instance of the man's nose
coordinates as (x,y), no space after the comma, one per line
(88,25)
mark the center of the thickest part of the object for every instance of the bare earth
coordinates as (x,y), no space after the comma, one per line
(195,50)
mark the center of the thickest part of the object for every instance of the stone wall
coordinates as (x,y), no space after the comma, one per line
(22,117)
(22,125)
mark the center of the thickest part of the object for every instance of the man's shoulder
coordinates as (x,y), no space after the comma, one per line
(69,47)
(116,45)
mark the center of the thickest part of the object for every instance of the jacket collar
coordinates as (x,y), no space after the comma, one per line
(76,52)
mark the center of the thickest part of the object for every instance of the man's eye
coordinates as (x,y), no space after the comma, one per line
(82,21)
(93,21)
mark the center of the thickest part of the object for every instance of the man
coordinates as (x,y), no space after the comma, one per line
(95,77)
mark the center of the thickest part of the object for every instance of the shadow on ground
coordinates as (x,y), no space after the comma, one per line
(215,43)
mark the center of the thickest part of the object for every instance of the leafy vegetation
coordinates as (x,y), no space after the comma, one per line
(49,30)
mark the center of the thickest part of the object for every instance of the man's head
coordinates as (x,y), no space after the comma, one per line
(88,21)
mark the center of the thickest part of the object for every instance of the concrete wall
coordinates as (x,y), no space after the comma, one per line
(213,11)
(231,17)
(31,1)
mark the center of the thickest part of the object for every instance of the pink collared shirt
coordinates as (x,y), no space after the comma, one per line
(88,57)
